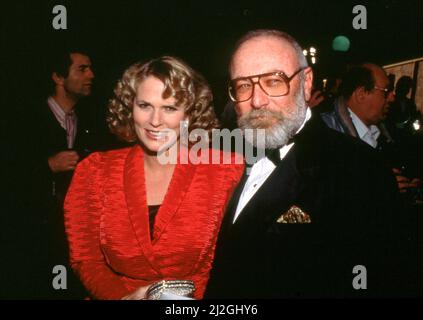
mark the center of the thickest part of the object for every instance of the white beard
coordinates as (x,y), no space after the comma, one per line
(278,126)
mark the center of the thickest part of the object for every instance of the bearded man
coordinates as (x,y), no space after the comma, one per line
(313,218)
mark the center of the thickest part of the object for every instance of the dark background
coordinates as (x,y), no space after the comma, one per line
(118,33)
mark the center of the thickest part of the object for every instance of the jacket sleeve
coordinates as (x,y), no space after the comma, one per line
(83,208)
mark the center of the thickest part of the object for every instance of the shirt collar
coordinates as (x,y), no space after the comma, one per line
(56,108)
(364,132)
(284,150)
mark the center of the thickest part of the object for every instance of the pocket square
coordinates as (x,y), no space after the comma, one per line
(294,215)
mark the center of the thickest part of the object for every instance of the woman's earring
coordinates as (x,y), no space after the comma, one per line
(185,124)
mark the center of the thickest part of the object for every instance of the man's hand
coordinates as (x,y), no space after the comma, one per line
(405,183)
(63,161)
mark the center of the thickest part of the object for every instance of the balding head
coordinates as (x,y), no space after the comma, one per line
(276,36)
(366,90)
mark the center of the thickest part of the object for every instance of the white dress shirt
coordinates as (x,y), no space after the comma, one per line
(368,134)
(260,171)
(68,121)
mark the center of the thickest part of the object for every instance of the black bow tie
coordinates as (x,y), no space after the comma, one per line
(274,156)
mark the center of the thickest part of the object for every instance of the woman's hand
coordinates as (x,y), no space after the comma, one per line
(138,294)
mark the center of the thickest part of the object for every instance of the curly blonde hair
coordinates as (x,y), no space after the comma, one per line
(187,86)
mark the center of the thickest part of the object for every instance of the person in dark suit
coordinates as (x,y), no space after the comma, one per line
(360,111)
(314,217)
(57,137)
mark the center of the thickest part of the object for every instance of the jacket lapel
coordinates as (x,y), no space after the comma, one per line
(178,188)
(233,203)
(136,197)
(136,200)
(341,110)
(287,183)
(276,193)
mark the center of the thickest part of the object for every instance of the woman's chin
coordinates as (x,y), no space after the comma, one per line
(156,149)
(151,148)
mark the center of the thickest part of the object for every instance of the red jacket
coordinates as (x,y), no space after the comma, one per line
(107,224)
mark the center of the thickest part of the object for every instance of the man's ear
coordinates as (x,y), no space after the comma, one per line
(308,83)
(360,94)
(58,80)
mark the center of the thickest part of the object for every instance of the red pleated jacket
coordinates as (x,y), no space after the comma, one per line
(107,223)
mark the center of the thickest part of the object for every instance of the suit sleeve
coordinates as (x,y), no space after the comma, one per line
(82,222)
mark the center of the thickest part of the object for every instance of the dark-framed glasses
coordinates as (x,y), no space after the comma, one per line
(274,84)
(386,91)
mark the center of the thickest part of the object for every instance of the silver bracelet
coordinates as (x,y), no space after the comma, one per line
(184,288)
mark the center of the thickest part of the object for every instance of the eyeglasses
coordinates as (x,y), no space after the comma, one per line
(386,91)
(274,84)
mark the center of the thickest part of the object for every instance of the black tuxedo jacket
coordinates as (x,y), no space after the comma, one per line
(350,198)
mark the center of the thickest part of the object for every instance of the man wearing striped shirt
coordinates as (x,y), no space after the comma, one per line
(60,137)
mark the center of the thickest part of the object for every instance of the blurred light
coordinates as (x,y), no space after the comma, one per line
(341,43)
(312,51)
(416,125)
(305,52)
(325,81)
(313,60)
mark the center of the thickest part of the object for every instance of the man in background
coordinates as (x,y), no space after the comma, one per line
(360,111)
(56,135)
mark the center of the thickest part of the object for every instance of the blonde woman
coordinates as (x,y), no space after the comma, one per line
(133,221)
